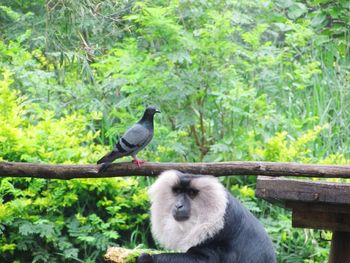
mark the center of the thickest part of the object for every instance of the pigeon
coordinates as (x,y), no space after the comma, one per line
(134,140)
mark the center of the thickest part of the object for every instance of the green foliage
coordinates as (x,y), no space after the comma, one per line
(31,134)
(59,221)
(235,80)
(55,221)
(279,148)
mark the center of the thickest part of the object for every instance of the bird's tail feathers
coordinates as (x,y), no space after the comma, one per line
(104,167)
(110,157)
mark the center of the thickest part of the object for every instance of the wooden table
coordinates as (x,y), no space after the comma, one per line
(314,204)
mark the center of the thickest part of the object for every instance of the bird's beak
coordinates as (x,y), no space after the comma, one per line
(157,111)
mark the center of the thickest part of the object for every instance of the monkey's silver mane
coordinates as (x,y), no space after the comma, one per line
(207,211)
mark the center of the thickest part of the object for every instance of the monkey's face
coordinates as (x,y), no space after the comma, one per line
(184,194)
(186,209)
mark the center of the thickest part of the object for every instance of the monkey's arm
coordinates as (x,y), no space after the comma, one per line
(194,255)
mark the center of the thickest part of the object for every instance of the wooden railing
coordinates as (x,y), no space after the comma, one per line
(71,171)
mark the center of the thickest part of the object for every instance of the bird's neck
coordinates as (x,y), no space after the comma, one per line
(147,120)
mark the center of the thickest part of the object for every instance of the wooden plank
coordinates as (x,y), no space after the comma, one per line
(316,205)
(340,247)
(319,207)
(70,171)
(282,190)
(321,220)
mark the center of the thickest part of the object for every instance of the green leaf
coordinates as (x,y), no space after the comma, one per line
(26,229)
(296,10)
(88,239)
(319,20)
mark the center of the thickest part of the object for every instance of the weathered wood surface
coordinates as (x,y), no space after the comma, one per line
(61,171)
(314,204)
(282,190)
(340,248)
(319,207)
(308,217)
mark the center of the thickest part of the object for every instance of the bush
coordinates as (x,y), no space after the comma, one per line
(61,221)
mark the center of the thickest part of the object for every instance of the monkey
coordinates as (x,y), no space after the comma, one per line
(196,216)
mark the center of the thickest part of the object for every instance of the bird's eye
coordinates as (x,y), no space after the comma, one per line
(192,193)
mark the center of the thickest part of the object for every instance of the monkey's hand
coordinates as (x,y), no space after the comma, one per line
(145,258)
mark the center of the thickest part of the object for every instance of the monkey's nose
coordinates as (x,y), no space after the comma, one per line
(179,206)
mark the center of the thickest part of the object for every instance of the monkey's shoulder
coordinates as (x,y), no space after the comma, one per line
(243,237)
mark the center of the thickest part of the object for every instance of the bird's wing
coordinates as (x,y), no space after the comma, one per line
(136,137)
(134,140)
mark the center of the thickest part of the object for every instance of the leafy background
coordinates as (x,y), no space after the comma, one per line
(235,80)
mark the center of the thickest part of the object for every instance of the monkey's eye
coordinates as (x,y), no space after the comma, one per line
(192,193)
(176,190)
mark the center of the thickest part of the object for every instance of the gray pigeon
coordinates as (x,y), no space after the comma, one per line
(134,140)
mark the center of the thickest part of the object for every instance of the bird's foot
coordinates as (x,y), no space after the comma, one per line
(138,162)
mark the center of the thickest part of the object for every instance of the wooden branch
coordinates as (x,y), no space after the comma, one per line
(70,171)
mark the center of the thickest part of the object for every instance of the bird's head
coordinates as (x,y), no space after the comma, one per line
(149,114)
(151,110)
